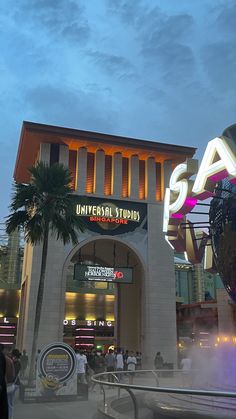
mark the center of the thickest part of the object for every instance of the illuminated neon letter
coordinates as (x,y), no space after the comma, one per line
(212,170)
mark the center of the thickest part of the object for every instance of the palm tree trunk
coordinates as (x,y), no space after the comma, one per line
(39,303)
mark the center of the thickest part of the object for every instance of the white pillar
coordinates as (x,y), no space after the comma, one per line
(150,186)
(81,170)
(64,155)
(99,172)
(44,152)
(134,177)
(165,175)
(117,175)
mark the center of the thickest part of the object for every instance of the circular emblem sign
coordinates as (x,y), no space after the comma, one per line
(57,361)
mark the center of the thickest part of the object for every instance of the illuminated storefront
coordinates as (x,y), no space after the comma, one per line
(126,271)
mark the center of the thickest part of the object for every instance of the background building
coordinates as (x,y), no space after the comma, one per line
(120,173)
(205,311)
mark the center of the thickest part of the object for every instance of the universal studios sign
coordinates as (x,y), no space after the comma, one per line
(219,162)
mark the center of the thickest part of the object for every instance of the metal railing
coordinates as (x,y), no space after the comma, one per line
(102,380)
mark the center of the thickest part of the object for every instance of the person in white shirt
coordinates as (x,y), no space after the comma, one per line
(186,366)
(131,365)
(81,367)
(119,363)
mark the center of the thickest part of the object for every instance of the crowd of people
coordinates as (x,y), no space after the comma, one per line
(96,361)
(12,365)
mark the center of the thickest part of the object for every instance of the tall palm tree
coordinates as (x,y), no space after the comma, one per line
(45,205)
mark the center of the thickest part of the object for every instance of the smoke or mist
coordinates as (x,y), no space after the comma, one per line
(213,368)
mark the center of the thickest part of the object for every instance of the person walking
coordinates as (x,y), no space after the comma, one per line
(81,367)
(24,363)
(10,381)
(119,363)
(16,358)
(99,365)
(158,361)
(131,366)
(110,361)
(3,386)
(186,366)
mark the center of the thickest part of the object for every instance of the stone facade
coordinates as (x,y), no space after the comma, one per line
(151,304)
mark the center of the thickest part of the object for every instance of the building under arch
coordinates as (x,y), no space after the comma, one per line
(120,186)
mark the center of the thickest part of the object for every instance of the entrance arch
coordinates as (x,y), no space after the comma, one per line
(129,298)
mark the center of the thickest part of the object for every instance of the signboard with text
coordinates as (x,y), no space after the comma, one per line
(56,372)
(111,216)
(103,274)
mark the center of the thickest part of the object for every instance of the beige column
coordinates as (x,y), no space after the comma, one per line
(226,324)
(99,172)
(81,170)
(134,177)
(64,155)
(117,175)
(165,175)
(150,177)
(44,152)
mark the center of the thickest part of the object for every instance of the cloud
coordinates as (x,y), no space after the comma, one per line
(56,18)
(217,53)
(71,107)
(219,61)
(166,45)
(225,21)
(114,65)
(129,11)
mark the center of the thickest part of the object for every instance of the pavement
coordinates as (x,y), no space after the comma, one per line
(60,410)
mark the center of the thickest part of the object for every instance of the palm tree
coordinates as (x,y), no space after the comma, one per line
(45,205)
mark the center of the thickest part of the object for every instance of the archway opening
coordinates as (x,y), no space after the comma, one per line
(100,314)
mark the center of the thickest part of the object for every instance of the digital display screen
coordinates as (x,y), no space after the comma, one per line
(103,274)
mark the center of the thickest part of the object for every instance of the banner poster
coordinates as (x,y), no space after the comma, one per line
(56,372)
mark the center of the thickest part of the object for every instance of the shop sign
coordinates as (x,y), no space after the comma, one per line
(99,323)
(219,161)
(56,372)
(102,274)
(107,211)
(111,217)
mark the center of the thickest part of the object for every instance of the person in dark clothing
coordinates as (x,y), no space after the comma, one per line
(3,387)
(10,381)
(24,363)
(158,361)
(110,362)
(15,356)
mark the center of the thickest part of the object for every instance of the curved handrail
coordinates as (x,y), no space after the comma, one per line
(98,379)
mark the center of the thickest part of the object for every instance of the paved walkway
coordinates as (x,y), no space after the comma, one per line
(62,410)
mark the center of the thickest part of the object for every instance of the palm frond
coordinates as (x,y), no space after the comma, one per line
(16,220)
(47,202)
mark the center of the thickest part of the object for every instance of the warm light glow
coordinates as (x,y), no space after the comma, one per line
(110,319)
(110,297)
(90,318)
(89,297)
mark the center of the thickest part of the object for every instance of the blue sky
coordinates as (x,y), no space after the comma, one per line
(163,70)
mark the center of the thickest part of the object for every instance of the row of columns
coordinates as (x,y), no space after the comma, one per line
(116,175)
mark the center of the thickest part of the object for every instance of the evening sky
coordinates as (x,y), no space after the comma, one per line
(162,70)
